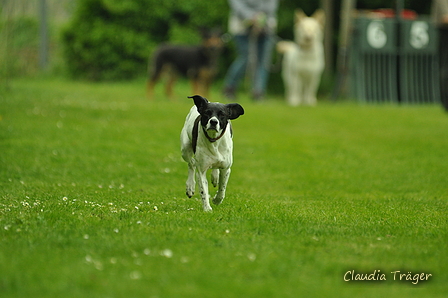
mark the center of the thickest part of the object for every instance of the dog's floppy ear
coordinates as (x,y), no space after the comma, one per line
(235,110)
(199,101)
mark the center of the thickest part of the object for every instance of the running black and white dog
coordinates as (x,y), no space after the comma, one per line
(206,143)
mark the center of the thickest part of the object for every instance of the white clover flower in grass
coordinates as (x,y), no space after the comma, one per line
(252,257)
(135,275)
(168,253)
(98,265)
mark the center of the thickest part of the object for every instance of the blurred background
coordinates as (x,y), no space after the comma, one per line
(104,40)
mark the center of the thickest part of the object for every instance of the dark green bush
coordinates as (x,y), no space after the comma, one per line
(112,39)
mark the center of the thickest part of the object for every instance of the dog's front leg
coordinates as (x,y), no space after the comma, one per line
(215,177)
(191,182)
(310,91)
(293,88)
(224,175)
(203,185)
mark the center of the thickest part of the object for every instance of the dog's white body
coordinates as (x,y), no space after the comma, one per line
(303,60)
(214,150)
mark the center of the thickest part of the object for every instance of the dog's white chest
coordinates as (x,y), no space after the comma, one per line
(217,155)
(307,61)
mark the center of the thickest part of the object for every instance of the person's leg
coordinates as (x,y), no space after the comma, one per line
(264,57)
(238,68)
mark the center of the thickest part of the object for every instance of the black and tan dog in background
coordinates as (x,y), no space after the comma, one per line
(197,63)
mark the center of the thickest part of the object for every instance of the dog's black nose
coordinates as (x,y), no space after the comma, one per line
(213,122)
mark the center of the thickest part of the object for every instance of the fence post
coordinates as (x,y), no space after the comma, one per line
(43,43)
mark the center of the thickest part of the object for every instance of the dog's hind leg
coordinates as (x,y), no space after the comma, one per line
(224,175)
(201,84)
(150,88)
(195,87)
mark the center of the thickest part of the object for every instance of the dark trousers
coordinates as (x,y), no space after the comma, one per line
(443,59)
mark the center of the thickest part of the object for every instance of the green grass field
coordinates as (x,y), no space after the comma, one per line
(92,198)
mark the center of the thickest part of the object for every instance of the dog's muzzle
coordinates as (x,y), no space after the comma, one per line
(213,124)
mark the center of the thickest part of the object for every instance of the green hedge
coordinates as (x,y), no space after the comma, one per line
(112,39)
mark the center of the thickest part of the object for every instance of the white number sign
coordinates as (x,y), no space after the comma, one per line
(376,36)
(419,37)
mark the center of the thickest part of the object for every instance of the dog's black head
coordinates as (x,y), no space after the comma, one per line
(212,43)
(215,115)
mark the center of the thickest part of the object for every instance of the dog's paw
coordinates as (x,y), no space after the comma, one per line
(190,187)
(217,199)
(208,209)
(189,192)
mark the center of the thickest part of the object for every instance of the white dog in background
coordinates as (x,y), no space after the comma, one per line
(303,59)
